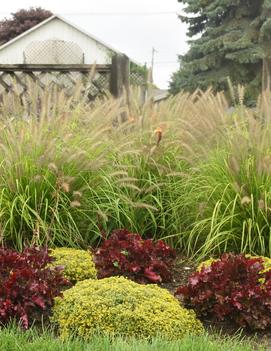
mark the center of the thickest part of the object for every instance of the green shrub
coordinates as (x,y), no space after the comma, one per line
(78,264)
(122,307)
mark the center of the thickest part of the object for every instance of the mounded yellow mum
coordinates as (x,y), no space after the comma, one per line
(78,264)
(118,306)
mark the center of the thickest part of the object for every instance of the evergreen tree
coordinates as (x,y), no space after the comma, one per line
(232,40)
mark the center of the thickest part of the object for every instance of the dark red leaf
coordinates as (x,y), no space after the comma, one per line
(26,282)
(126,253)
(233,287)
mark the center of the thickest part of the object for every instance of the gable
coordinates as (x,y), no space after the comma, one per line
(55,29)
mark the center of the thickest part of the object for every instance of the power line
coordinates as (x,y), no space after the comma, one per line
(120,13)
(111,13)
(164,62)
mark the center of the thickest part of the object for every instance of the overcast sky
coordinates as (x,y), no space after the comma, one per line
(133,31)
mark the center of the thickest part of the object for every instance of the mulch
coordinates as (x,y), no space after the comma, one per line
(180,273)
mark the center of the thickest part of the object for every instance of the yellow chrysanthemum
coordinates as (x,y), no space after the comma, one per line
(78,264)
(118,306)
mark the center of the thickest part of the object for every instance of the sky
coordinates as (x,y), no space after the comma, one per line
(133,27)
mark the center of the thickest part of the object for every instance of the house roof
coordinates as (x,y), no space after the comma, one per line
(159,94)
(10,42)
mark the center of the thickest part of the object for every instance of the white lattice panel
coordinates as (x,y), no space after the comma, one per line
(53,52)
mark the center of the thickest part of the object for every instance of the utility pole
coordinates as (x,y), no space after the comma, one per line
(149,91)
(152,63)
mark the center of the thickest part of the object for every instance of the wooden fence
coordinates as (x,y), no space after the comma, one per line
(95,79)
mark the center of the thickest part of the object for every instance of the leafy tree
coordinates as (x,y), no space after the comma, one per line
(229,38)
(20,22)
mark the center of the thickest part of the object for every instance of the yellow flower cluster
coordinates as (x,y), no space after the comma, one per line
(206,263)
(266,262)
(78,264)
(118,306)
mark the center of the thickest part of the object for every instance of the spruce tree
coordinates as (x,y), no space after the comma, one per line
(229,39)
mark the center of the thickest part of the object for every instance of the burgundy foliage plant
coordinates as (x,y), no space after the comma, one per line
(234,288)
(144,261)
(20,22)
(27,285)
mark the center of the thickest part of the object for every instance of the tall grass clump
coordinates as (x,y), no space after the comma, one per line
(70,169)
(193,170)
(49,150)
(228,192)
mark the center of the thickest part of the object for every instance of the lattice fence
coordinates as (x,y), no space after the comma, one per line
(18,79)
(137,79)
(53,52)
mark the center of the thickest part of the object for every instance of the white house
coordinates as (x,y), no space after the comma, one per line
(56,41)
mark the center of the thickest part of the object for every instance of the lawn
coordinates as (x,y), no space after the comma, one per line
(32,340)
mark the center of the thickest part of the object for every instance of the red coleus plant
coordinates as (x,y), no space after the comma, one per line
(235,288)
(27,285)
(127,254)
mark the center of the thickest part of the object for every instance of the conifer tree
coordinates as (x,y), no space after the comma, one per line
(229,38)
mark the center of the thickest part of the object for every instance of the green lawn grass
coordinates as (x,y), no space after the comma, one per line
(11,339)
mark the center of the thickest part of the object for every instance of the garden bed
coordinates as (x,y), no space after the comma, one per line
(184,171)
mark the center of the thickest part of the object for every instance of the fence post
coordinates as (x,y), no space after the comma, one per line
(266,75)
(120,75)
(120,79)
